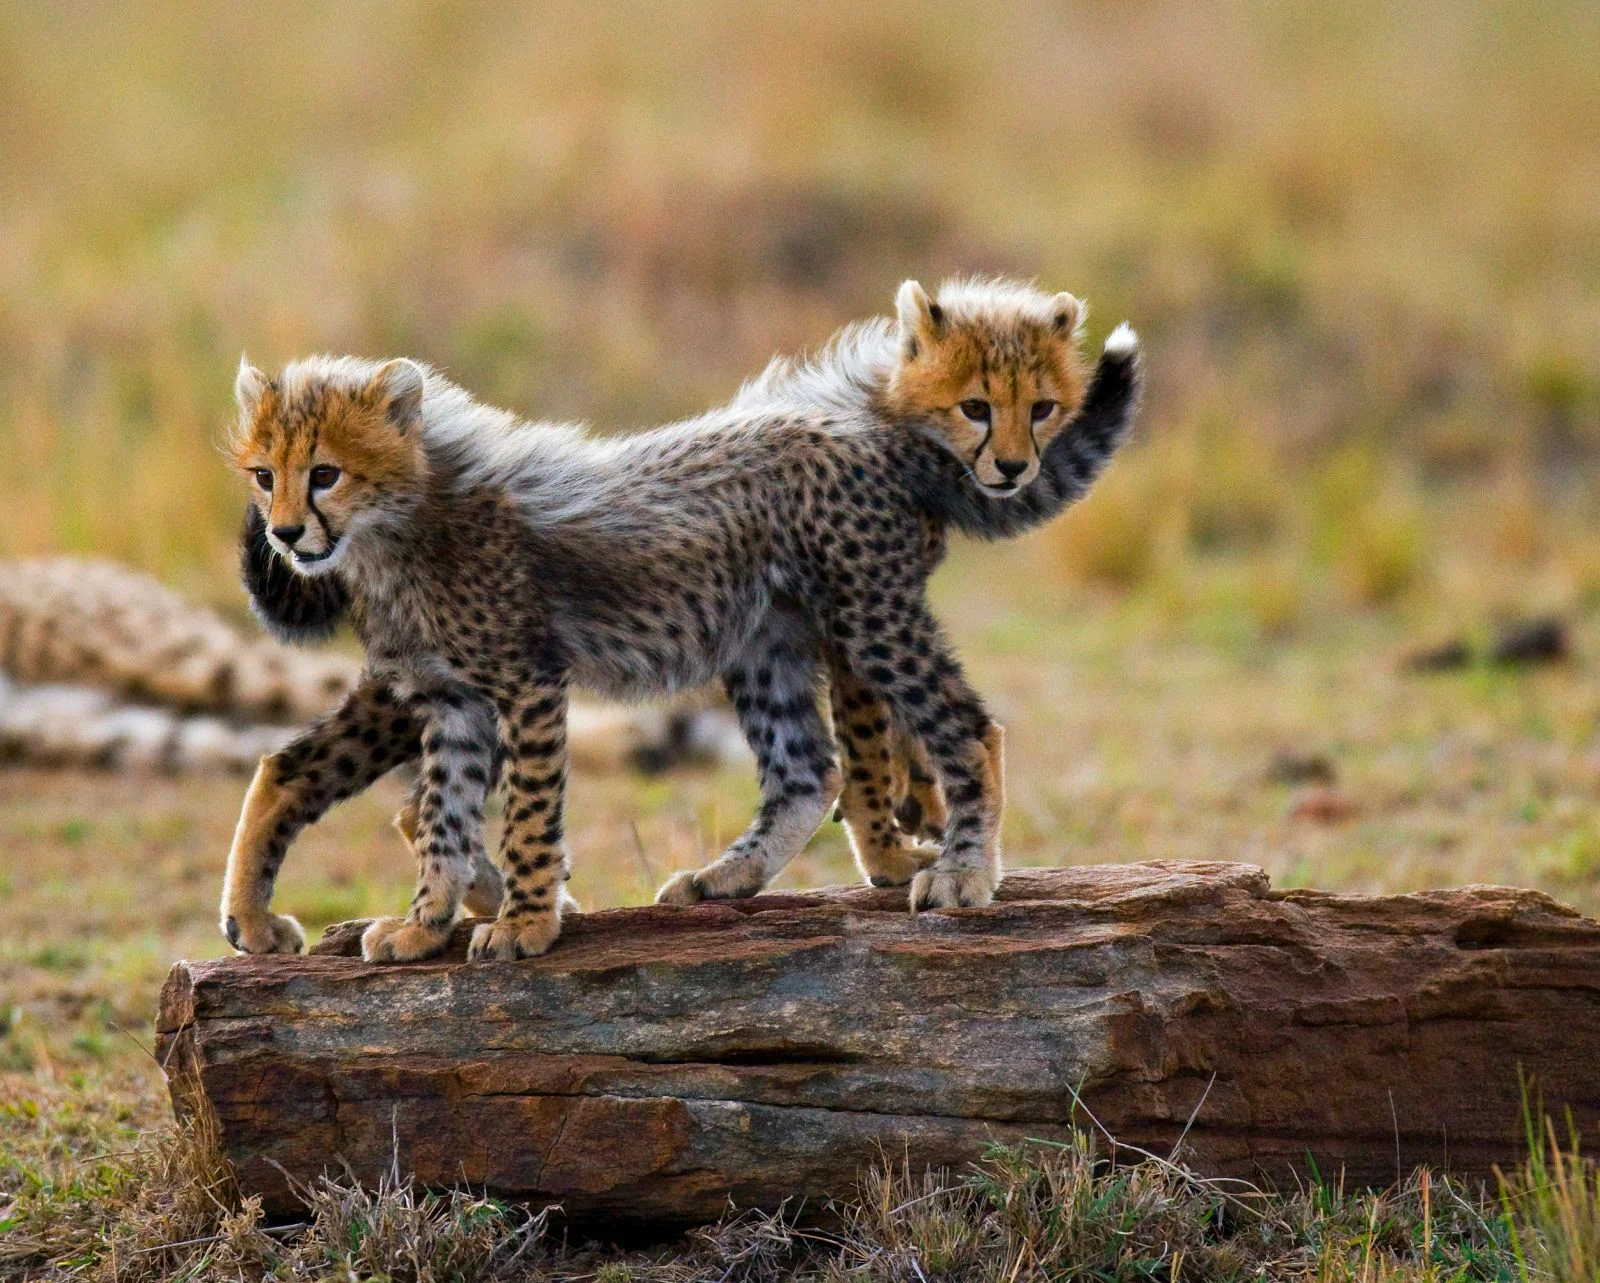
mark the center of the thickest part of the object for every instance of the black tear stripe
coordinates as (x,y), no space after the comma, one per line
(1067,466)
(292,607)
(328,537)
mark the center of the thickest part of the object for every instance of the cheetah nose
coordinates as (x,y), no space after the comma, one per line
(1011,469)
(288,534)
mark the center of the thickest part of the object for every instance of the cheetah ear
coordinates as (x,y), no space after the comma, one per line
(921,319)
(1066,314)
(249,386)
(397,388)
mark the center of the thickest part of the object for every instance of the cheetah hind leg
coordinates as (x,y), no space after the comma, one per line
(919,808)
(873,776)
(773,693)
(483,897)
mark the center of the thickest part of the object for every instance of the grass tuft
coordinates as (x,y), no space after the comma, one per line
(1552,1207)
(406,1235)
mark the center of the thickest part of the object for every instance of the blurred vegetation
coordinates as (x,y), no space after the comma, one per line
(1362,242)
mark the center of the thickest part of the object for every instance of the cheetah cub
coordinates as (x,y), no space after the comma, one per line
(991,373)
(488,565)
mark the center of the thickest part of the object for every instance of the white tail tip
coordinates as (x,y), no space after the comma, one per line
(1124,342)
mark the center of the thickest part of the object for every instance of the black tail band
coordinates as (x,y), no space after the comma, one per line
(292,607)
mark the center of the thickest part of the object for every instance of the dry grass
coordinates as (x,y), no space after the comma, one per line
(166,1209)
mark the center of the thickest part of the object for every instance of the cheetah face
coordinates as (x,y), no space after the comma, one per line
(324,461)
(993,381)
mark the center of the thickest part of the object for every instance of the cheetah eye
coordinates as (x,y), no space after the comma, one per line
(323,476)
(1042,410)
(264,478)
(976,410)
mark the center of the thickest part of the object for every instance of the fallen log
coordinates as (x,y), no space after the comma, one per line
(661,1060)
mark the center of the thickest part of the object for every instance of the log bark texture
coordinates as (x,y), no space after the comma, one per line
(661,1060)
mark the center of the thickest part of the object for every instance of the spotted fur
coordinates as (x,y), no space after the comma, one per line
(97,624)
(492,564)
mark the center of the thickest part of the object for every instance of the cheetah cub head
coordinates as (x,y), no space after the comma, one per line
(991,370)
(327,448)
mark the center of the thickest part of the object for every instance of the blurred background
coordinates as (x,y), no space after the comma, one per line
(1291,626)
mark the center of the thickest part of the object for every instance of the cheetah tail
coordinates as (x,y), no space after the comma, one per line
(1073,459)
(293,608)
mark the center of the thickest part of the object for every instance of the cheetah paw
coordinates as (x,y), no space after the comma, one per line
(723,879)
(894,866)
(269,933)
(513,938)
(680,888)
(952,889)
(402,940)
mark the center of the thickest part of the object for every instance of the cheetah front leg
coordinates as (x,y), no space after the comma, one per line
(365,737)
(533,734)
(774,693)
(458,746)
(873,779)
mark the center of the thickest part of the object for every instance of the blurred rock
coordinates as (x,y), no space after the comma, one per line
(1289,767)
(1540,640)
(1452,654)
(1325,806)
(1532,641)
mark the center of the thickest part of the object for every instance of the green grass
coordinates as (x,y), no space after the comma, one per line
(1552,1207)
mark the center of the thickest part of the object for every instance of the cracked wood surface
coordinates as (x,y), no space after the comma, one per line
(661,1060)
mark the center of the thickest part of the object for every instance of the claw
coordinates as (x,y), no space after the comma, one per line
(270,933)
(937,888)
(511,939)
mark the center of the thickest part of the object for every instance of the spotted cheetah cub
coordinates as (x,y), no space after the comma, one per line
(488,565)
(990,372)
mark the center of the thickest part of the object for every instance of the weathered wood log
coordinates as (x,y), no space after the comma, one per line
(661,1060)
